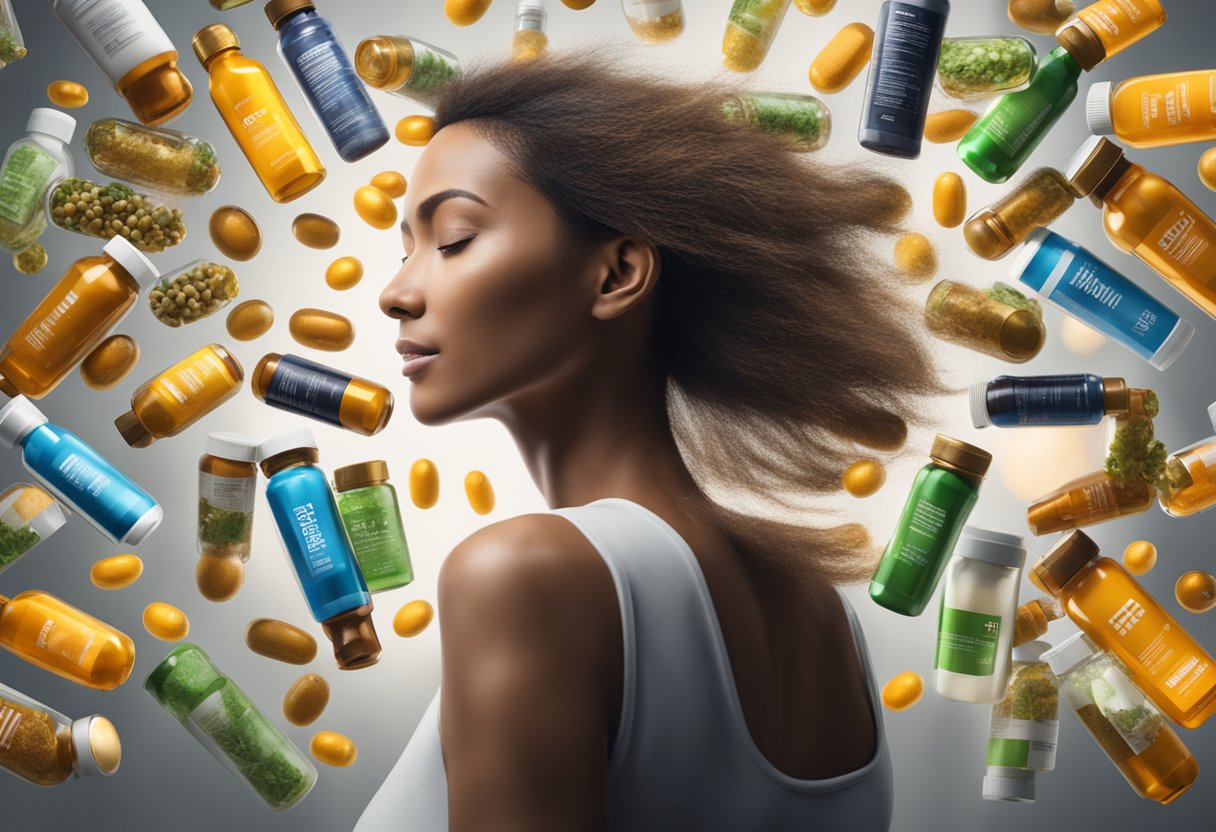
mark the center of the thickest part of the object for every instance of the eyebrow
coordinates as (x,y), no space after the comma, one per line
(428,206)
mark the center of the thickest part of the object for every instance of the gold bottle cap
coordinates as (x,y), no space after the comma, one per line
(361,475)
(1095,167)
(958,454)
(987,235)
(354,638)
(1022,335)
(1061,562)
(133,430)
(1082,43)
(1116,398)
(212,39)
(276,10)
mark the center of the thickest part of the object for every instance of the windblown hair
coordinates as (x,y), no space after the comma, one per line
(785,343)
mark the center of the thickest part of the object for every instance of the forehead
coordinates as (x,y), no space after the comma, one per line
(459,156)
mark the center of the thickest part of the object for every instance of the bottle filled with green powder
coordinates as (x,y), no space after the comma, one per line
(222,718)
(227,483)
(372,517)
(33,163)
(28,515)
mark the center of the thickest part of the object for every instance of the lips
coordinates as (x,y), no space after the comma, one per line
(415,355)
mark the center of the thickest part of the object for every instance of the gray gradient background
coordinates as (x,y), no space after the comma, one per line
(168,781)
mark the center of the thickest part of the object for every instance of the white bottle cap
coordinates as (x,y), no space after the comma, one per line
(289,441)
(530,14)
(1173,345)
(1015,785)
(991,546)
(53,123)
(234,446)
(977,398)
(144,526)
(1069,653)
(1030,247)
(1212,414)
(132,261)
(1098,109)
(17,418)
(1030,652)
(1082,155)
(98,749)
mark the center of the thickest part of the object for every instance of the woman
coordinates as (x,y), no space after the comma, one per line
(667,310)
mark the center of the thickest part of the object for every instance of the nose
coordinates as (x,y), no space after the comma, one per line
(402,297)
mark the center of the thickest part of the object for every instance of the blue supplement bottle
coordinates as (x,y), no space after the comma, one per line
(322,69)
(78,476)
(1075,281)
(1041,401)
(310,526)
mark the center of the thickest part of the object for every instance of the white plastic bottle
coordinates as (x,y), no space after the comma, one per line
(33,163)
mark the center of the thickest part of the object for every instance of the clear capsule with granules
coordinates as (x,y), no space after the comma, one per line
(193,292)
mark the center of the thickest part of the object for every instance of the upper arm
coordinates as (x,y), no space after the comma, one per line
(530,630)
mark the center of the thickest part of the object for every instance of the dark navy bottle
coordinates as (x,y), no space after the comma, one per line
(1018,401)
(322,69)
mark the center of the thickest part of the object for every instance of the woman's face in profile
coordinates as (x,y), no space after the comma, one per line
(492,300)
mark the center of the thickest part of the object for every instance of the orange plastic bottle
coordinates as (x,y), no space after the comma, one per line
(1111,607)
(1103,29)
(1155,110)
(180,396)
(64,640)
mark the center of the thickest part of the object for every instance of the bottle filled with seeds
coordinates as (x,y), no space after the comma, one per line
(654,21)
(405,66)
(115,210)
(802,121)
(1037,201)
(45,748)
(973,68)
(1001,321)
(32,164)
(161,160)
(28,516)
(191,293)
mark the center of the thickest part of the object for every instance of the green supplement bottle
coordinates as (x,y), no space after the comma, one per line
(372,517)
(1001,141)
(943,494)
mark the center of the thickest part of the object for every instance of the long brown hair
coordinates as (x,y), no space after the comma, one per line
(786,345)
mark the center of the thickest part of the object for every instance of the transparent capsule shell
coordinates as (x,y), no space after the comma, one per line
(405,66)
(114,210)
(978,67)
(750,29)
(802,121)
(12,45)
(192,292)
(28,515)
(163,161)
(654,21)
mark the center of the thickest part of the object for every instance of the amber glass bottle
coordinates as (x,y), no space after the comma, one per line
(180,396)
(64,640)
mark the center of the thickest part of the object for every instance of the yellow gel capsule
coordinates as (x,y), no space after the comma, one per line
(915,256)
(67,94)
(415,131)
(110,362)
(948,125)
(391,182)
(344,273)
(219,579)
(235,233)
(116,572)
(1196,591)
(306,699)
(31,259)
(1042,17)
(864,477)
(815,8)
(413,618)
(321,329)
(479,491)
(903,691)
(424,483)
(166,621)
(1207,168)
(578,5)
(1139,557)
(949,200)
(315,231)
(845,55)
(333,749)
(281,641)
(250,320)
(375,207)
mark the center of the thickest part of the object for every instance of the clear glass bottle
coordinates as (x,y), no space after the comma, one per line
(529,40)
(371,515)
(161,160)
(230,726)
(12,46)
(1104,29)
(978,67)
(227,480)
(28,516)
(1024,728)
(114,210)
(654,21)
(31,165)
(1040,401)
(406,67)
(1097,688)
(45,748)
(298,385)
(176,398)
(802,121)
(1038,200)
(1190,477)
(750,29)
(193,292)
(1000,322)
(976,619)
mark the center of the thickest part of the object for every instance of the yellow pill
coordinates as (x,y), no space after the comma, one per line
(424,483)
(391,182)
(281,641)
(31,259)
(344,273)
(479,491)
(1139,557)
(949,200)
(845,55)
(235,233)
(864,477)
(1196,591)
(1042,17)
(915,255)
(1207,168)
(815,8)
(116,572)
(903,691)
(219,579)
(306,699)
(415,131)
(110,362)
(321,329)
(333,749)
(166,622)
(250,320)
(67,94)
(948,125)
(578,5)
(315,231)
(413,618)
(375,207)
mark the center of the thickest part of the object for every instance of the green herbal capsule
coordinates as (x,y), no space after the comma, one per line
(802,121)
(980,67)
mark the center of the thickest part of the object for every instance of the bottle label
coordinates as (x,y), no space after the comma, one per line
(1022,743)
(375,532)
(1053,400)
(1184,240)
(905,58)
(10,720)
(304,387)
(921,548)
(313,544)
(68,641)
(227,493)
(117,34)
(334,91)
(1014,122)
(192,386)
(1120,23)
(967,642)
(23,183)
(41,335)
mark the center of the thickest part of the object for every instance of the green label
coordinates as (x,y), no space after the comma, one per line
(966,642)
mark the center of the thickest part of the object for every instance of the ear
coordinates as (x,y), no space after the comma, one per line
(629,271)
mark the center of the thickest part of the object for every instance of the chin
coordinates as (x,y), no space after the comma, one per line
(433,407)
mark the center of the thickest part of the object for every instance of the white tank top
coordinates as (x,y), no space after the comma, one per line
(683,757)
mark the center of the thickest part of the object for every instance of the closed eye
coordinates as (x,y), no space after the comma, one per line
(456,247)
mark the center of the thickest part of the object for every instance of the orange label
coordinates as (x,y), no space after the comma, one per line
(1120,23)
(1182,247)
